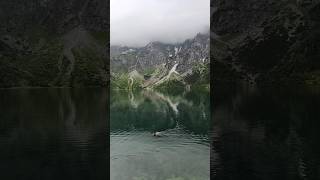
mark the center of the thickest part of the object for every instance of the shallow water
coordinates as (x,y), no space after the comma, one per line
(53,134)
(183,150)
(266,133)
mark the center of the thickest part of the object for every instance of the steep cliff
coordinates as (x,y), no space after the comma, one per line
(266,41)
(53,43)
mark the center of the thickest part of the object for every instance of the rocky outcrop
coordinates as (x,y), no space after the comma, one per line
(53,43)
(266,41)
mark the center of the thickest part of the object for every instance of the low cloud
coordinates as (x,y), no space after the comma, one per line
(138,22)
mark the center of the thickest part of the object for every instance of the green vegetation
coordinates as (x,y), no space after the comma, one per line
(123,81)
(31,69)
(44,66)
(175,84)
(37,59)
(172,86)
(149,71)
(202,70)
(312,78)
(88,69)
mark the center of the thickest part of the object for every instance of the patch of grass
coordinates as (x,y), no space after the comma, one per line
(148,71)
(121,81)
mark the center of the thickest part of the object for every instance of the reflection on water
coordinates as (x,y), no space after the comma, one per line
(53,133)
(183,151)
(265,133)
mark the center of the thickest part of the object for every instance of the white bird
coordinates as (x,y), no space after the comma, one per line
(157,134)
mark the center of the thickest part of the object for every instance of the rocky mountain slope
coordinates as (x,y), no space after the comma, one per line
(158,62)
(156,53)
(266,41)
(53,43)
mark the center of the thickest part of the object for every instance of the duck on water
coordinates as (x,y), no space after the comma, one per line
(157,134)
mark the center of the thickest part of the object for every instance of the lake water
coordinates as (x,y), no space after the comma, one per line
(183,150)
(265,133)
(53,134)
(259,134)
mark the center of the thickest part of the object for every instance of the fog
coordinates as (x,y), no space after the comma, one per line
(138,22)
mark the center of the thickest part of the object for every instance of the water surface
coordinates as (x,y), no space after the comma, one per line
(265,133)
(53,134)
(183,150)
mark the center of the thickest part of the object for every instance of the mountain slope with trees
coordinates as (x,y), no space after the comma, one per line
(53,43)
(266,41)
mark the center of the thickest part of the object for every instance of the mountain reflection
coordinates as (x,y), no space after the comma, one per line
(269,133)
(53,133)
(182,151)
(154,111)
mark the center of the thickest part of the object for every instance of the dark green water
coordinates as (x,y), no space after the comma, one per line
(266,133)
(53,134)
(259,134)
(183,150)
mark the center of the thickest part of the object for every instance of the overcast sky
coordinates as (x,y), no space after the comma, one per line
(138,22)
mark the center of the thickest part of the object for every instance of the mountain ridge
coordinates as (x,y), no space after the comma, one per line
(162,64)
(191,50)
